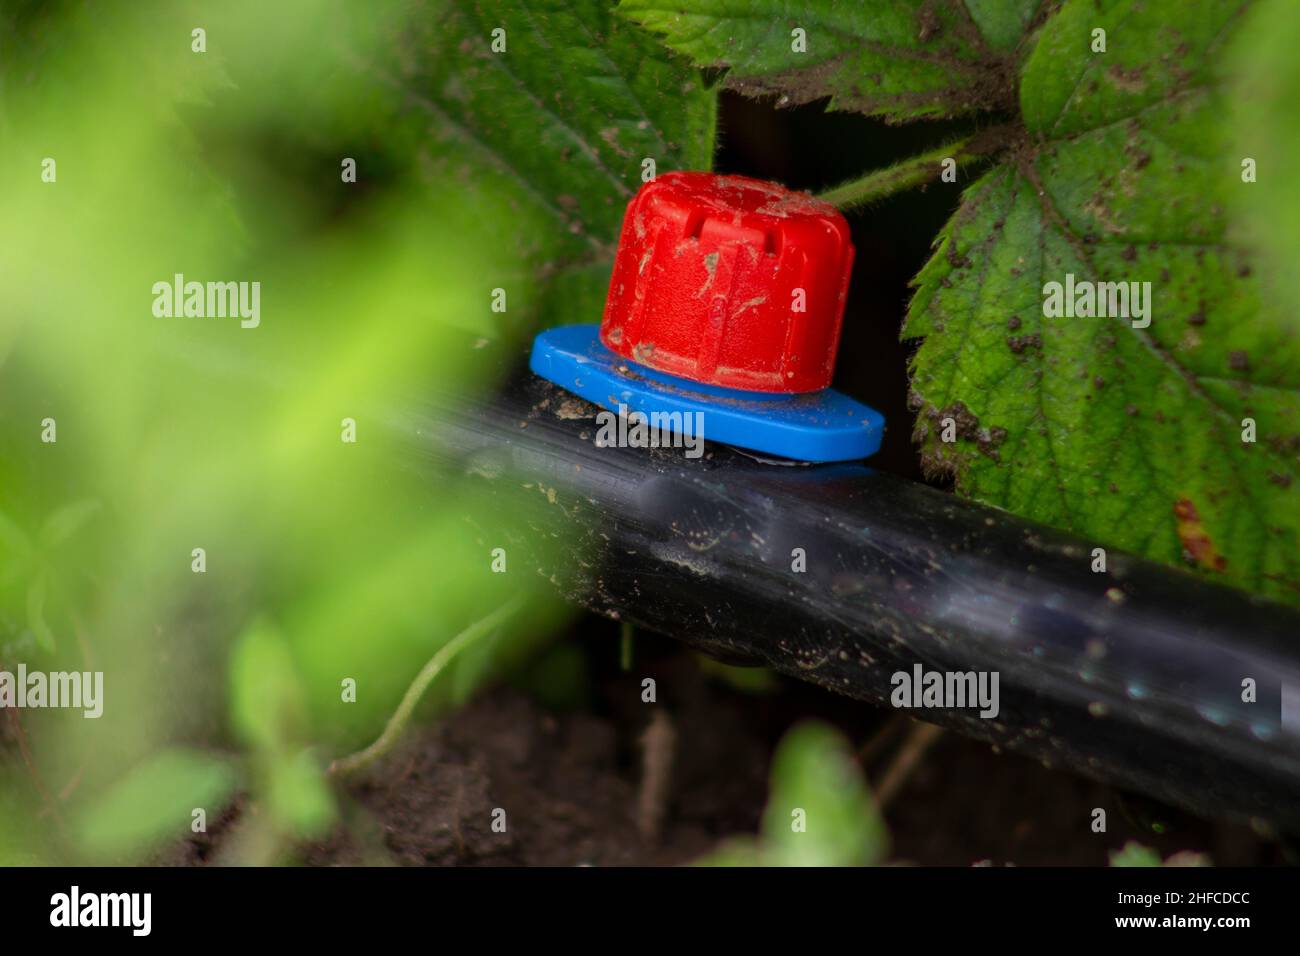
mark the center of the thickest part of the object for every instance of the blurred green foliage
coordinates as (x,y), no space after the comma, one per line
(1263,122)
(1135,854)
(153,801)
(325,561)
(819,811)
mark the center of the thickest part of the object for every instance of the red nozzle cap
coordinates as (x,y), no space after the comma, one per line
(730,281)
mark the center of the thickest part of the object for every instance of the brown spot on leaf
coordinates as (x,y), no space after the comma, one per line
(1198,548)
(955,258)
(1098,208)
(988,441)
(963,418)
(1018,343)
(1127,81)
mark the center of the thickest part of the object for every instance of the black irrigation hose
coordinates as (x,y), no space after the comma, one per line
(1133,676)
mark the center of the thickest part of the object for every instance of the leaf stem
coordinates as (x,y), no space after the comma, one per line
(910,172)
(445,655)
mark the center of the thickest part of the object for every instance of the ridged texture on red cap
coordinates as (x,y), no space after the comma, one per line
(705,281)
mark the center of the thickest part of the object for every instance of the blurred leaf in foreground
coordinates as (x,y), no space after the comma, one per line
(1265,130)
(819,812)
(206,435)
(1135,854)
(155,800)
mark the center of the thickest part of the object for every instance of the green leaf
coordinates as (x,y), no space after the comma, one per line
(1134,854)
(267,705)
(560,122)
(300,801)
(1132,437)
(268,709)
(899,59)
(820,812)
(155,800)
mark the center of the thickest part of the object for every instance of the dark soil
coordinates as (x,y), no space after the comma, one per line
(571,786)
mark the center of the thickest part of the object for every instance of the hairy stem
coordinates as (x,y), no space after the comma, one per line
(913,171)
(445,655)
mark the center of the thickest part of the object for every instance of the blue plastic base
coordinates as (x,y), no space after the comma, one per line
(819,426)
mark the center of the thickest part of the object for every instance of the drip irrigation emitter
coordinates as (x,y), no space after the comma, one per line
(724,308)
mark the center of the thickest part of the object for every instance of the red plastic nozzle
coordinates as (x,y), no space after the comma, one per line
(730,281)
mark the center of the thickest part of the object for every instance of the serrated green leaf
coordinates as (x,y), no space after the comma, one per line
(561,122)
(154,800)
(1130,436)
(900,59)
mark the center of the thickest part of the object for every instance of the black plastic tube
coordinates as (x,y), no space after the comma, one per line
(1133,676)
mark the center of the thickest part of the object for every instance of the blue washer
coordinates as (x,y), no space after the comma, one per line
(817,426)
